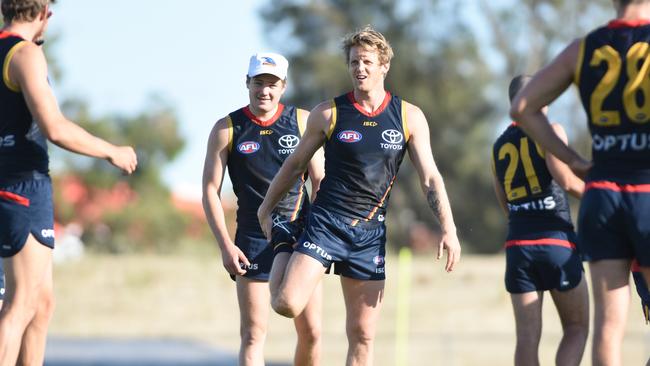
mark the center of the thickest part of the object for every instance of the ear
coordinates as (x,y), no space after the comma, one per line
(386,67)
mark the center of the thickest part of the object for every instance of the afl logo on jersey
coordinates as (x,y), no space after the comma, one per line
(248,147)
(349,136)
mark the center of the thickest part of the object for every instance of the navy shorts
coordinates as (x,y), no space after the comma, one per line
(542,261)
(357,252)
(285,234)
(614,222)
(26,208)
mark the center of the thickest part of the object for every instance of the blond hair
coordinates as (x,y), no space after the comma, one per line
(369,38)
(23,10)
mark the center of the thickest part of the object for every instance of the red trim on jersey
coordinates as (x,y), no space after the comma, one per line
(15,198)
(620,23)
(514,124)
(611,186)
(544,241)
(4,34)
(268,122)
(375,113)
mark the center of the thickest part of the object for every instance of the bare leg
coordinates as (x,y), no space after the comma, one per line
(26,274)
(528,319)
(253,297)
(573,308)
(278,270)
(363,300)
(301,277)
(32,350)
(308,326)
(611,291)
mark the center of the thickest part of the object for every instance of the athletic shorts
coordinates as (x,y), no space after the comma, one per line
(642,290)
(285,234)
(357,252)
(542,261)
(614,222)
(253,243)
(26,208)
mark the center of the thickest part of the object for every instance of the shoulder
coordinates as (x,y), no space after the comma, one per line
(411,110)
(28,53)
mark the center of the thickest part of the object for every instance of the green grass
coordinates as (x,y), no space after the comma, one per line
(463,318)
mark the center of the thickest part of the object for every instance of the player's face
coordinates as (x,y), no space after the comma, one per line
(264,92)
(365,69)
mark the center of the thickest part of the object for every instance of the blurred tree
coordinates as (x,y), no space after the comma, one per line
(452,59)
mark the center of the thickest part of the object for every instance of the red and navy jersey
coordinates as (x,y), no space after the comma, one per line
(535,201)
(23,148)
(257,150)
(613,77)
(363,153)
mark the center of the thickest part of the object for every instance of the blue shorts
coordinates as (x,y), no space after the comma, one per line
(26,208)
(256,248)
(357,252)
(285,234)
(542,261)
(614,222)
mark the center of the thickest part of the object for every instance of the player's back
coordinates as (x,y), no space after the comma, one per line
(23,149)
(613,78)
(535,201)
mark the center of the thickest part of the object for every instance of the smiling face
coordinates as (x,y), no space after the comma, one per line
(366,70)
(264,93)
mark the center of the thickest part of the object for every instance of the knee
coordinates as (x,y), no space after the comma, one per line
(309,334)
(252,334)
(284,306)
(46,307)
(360,334)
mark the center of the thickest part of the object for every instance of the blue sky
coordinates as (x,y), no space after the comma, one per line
(192,53)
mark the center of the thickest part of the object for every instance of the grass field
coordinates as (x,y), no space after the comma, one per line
(462,318)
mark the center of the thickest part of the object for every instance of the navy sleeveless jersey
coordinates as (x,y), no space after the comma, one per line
(257,151)
(535,201)
(362,156)
(23,148)
(613,76)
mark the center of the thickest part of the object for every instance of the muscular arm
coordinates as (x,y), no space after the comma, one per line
(561,173)
(419,148)
(28,70)
(214,167)
(316,165)
(548,84)
(500,194)
(296,164)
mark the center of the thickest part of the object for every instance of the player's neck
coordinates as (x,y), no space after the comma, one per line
(370,100)
(25,30)
(263,115)
(634,12)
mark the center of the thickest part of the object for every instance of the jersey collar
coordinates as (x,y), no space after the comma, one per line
(268,122)
(620,23)
(374,113)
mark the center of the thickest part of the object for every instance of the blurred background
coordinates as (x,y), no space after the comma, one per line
(135,258)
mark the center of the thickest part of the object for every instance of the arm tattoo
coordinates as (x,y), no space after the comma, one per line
(434,203)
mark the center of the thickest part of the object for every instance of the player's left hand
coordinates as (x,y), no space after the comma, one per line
(450,243)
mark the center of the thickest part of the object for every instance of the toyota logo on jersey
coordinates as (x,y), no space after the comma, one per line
(349,136)
(392,136)
(248,147)
(289,141)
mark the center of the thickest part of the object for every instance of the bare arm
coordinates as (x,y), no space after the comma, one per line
(500,193)
(296,164)
(28,70)
(216,159)
(548,84)
(561,173)
(316,166)
(419,148)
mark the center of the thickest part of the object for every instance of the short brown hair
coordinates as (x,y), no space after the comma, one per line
(23,10)
(367,37)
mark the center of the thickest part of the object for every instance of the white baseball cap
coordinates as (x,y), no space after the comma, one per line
(268,63)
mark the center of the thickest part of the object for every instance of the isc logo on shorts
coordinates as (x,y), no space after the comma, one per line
(47,233)
(379,260)
(349,136)
(248,147)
